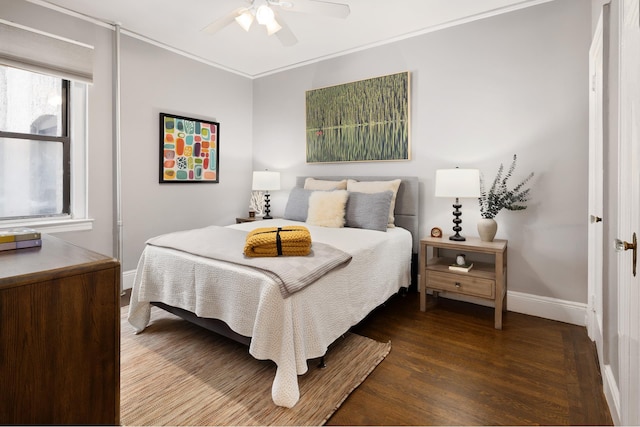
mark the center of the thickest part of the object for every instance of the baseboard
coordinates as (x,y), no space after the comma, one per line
(548,308)
(611,393)
(127,279)
(534,305)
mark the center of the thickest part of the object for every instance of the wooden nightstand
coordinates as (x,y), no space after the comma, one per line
(485,280)
(246,219)
(249,219)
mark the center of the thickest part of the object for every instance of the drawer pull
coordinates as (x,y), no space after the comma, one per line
(457,284)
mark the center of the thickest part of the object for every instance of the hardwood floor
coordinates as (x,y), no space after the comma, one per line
(449,366)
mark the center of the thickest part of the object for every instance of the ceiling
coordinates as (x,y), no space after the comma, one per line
(177,25)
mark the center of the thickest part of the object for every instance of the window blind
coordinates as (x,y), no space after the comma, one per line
(33,50)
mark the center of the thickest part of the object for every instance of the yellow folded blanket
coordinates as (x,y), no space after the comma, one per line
(292,240)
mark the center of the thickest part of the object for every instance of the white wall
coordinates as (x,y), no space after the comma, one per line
(481,92)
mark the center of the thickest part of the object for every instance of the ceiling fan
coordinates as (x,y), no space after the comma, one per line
(265,12)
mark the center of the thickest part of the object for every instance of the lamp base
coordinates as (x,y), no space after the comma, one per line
(457,221)
(267,205)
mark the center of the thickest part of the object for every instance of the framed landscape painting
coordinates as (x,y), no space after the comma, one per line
(189,149)
(367,120)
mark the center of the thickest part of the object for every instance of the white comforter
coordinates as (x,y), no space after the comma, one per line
(288,331)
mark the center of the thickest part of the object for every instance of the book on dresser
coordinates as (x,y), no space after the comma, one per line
(19,238)
(464,267)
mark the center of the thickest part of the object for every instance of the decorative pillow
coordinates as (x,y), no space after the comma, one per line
(326,208)
(298,204)
(378,187)
(319,184)
(368,210)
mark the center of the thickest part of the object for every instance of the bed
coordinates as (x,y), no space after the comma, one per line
(247,305)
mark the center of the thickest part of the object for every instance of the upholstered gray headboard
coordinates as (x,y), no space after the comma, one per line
(407,204)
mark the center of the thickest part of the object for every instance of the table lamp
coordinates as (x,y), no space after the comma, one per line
(266,181)
(457,183)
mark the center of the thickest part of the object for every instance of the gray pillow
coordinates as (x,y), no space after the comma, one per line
(368,210)
(298,204)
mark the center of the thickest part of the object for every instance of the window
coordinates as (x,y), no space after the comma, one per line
(34,145)
(42,151)
(44,82)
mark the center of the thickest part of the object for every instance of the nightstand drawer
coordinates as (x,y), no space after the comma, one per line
(461,284)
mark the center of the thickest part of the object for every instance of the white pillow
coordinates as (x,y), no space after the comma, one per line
(378,187)
(319,184)
(326,208)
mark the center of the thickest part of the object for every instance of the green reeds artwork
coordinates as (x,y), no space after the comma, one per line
(367,120)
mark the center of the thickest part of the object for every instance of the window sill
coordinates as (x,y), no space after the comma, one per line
(51,226)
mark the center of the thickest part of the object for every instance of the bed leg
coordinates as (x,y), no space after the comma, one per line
(322,364)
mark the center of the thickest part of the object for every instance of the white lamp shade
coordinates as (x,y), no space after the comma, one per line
(245,20)
(266,180)
(457,183)
(264,15)
(273,27)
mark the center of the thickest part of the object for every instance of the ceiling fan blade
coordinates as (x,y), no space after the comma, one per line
(219,24)
(285,35)
(334,10)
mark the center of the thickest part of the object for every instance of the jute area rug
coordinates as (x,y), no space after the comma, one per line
(176,373)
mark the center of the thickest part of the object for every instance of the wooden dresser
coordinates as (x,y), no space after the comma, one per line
(59,335)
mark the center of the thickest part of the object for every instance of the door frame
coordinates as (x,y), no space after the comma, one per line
(596,321)
(595,291)
(629,211)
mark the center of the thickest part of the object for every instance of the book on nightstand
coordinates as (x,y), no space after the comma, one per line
(464,268)
(19,238)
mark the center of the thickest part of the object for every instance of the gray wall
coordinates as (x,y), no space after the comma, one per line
(514,83)
(153,80)
(481,92)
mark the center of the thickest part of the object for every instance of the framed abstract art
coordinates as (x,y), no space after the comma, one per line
(189,149)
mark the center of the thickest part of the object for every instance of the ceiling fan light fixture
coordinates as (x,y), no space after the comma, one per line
(245,19)
(265,15)
(273,27)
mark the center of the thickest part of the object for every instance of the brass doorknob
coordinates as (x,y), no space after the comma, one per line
(625,246)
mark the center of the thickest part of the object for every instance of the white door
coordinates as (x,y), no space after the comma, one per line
(629,212)
(595,228)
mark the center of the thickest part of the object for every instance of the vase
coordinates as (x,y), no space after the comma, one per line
(487,228)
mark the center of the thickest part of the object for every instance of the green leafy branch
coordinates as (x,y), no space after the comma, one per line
(500,197)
